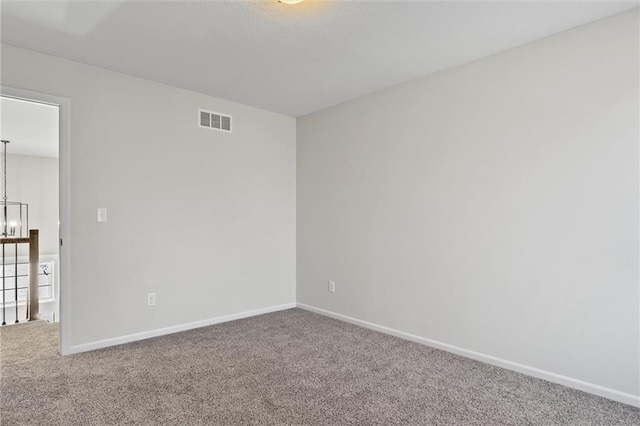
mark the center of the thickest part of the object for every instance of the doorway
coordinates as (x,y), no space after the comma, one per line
(36,177)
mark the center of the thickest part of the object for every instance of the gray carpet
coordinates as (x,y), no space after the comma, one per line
(286,368)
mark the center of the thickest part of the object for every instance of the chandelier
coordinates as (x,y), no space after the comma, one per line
(14,222)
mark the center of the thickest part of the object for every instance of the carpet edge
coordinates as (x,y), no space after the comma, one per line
(128,338)
(592,388)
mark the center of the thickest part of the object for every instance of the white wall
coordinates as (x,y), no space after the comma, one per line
(34,180)
(492,206)
(204,219)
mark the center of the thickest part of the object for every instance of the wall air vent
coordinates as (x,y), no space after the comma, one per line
(214,120)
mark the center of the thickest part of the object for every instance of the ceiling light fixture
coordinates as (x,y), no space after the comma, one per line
(289,1)
(15,214)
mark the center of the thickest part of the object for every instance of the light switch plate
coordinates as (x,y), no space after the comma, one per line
(102,214)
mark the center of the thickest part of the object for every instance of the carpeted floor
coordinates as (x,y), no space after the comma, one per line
(287,368)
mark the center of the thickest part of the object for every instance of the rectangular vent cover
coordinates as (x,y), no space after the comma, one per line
(214,120)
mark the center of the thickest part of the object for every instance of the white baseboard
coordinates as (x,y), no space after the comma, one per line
(174,329)
(613,394)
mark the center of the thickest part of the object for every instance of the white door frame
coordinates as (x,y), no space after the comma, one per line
(64,105)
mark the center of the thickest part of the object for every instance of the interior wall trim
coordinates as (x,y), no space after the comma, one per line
(175,329)
(625,398)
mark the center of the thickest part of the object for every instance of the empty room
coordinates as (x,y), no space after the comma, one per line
(304,212)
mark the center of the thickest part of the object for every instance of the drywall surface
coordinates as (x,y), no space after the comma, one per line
(34,180)
(492,206)
(202,218)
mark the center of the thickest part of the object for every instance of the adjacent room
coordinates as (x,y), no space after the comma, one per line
(304,212)
(31,187)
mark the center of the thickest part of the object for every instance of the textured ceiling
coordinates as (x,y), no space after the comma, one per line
(293,59)
(31,127)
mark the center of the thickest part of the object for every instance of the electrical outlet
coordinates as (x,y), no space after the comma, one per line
(151,299)
(332,286)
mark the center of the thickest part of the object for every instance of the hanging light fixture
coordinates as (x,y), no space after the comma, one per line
(15,214)
(290,1)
